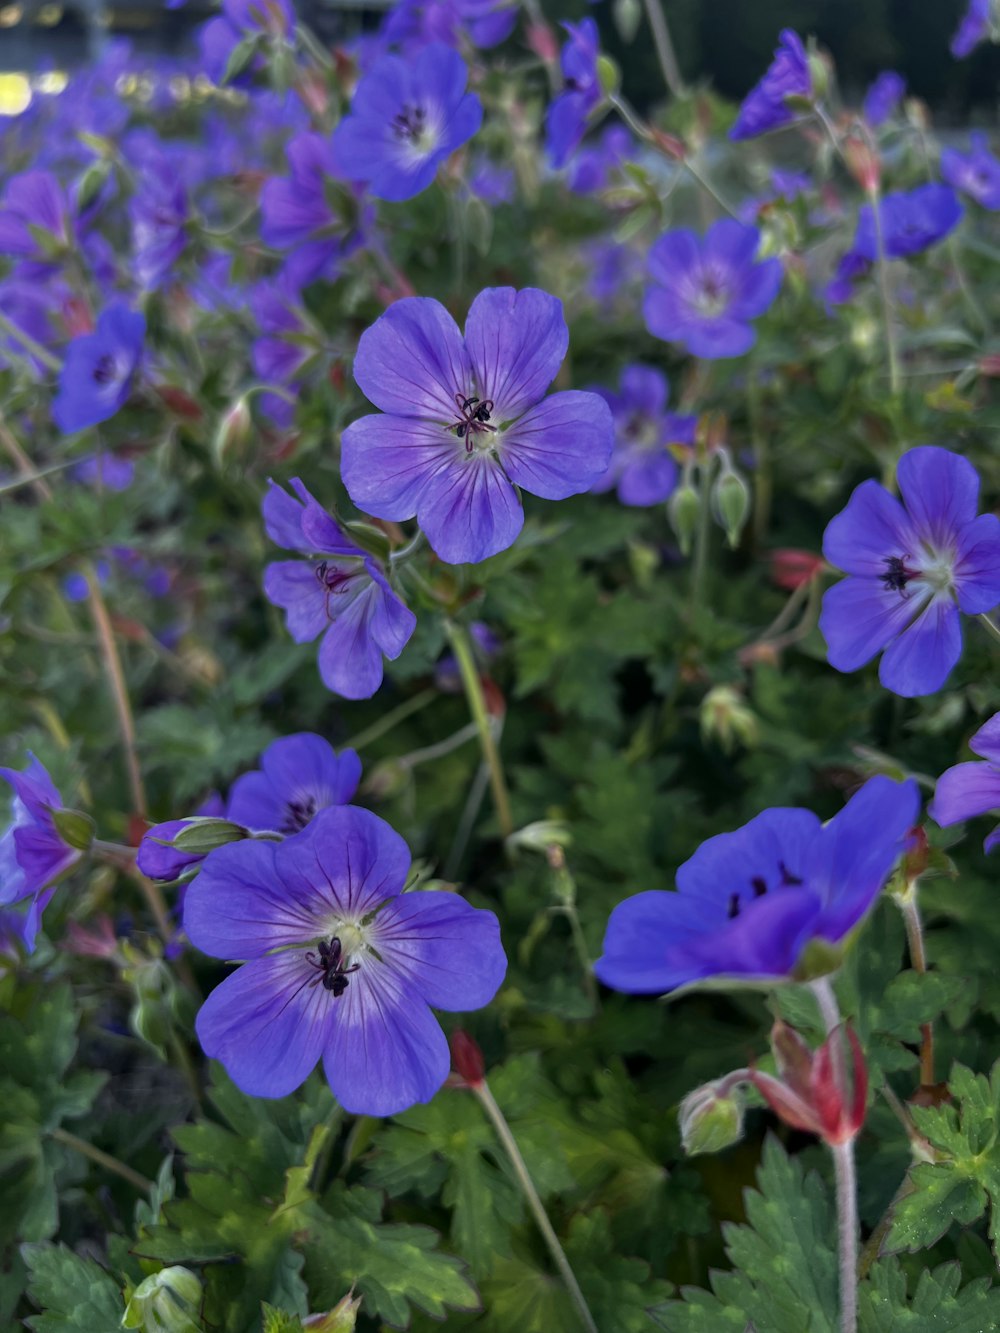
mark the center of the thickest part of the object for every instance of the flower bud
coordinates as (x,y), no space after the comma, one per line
(370,538)
(608,75)
(684,511)
(165,1302)
(863,163)
(540,836)
(202,836)
(467,1060)
(341,1319)
(75,828)
(730,502)
(711,1118)
(726,719)
(233,432)
(817,1091)
(791,568)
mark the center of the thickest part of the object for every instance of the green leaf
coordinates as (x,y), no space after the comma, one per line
(885,1307)
(72,1292)
(277,1321)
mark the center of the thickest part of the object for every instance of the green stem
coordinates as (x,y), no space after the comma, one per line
(503,1131)
(762,483)
(465,824)
(993,628)
(30,344)
(391,719)
(910,909)
(699,565)
(104,1159)
(665,53)
(884,293)
(462,647)
(709,188)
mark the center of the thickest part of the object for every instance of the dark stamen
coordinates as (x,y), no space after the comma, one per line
(734,906)
(759,886)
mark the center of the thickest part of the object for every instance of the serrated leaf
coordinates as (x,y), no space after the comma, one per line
(277,1321)
(937,1303)
(73,1293)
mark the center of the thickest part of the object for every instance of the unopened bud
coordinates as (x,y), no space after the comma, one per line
(726,718)
(684,512)
(467,1059)
(730,502)
(668,144)
(240,57)
(791,568)
(75,828)
(917,856)
(165,1302)
(233,433)
(863,163)
(92,182)
(202,836)
(711,1118)
(540,836)
(608,75)
(341,1319)
(819,73)
(370,538)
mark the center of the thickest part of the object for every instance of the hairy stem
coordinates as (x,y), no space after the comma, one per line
(910,909)
(104,1159)
(847,1231)
(503,1131)
(884,293)
(665,53)
(473,686)
(699,565)
(989,624)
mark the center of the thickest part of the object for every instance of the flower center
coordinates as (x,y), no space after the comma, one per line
(758,888)
(104,371)
(711,296)
(410,126)
(473,422)
(641,430)
(334,581)
(298,813)
(331,963)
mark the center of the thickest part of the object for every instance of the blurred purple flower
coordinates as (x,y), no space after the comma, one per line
(342,966)
(298,776)
(973,29)
(748,903)
(284,347)
(614,268)
(342,595)
(406,117)
(491,183)
(976,173)
(642,466)
(111,472)
(706,291)
(566,118)
(971,789)
(883,97)
(32,854)
(414,24)
(595,166)
(912,567)
(34,216)
(96,378)
(240,19)
(159,214)
(467,421)
(766,106)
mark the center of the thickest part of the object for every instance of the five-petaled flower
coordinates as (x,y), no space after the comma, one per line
(766,106)
(976,173)
(33,855)
(340,964)
(972,789)
(96,378)
(749,903)
(466,420)
(706,291)
(912,567)
(406,117)
(341,593)
(642,466)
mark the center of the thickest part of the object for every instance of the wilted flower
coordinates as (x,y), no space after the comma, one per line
(809,1092)
(642,466)
(406,117)
(973,29)
(791,568)
(33,852)
(342,594)
(766,106)
(705,291)
(566,119)
(749,903)
(976,173)
(913,566)
(971,789)
(341,964)
(96,378)
(466,420)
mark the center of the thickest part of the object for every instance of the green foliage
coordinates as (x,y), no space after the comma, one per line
(884,1305)
(75,1293)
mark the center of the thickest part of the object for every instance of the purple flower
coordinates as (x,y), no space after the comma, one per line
(341,965)
(566,119)
(766,105)
(219,37)
(976,173)
(299,776)
(34,216)
(159,216)
(912,566)
(614,269)
(748,903)
(973,29)
(706,292)
(158,861)
(883,97)
(593,168)
(642,466)
(110,471)
(342,594)
(467,421)
(32,854)
(971,789)
(412,24)
(492,183)
(96,378)
(406,117)
(286,344)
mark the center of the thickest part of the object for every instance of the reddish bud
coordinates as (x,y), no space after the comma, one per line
(77,317)
(816,1091)
(917,856)
(791,568)
(542,40)
(179,402)
(99,942)
(467,1059)
(863,163)
(990,365)
(668,144)
(496,704)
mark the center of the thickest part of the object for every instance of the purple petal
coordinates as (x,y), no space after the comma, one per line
(773,845)
(385,462)
(255,804)
(412,360)
(940,490)
(292,585)
(733,243)
(986,741)
(517,341)
(320,531)
(268,1023)
(442,949)
(648,478)
(872,527)
(963,792)
(645,938)
(470,510)
(758,287)
(860,616)
(673,256)
(644,389)
(242,903)
(308,762)
(159,862)
(921,658)
(350,656)
(283,518)
(352,860)
(764,941)
(387,1050)
(391,622)
(560,447)
(977,565)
